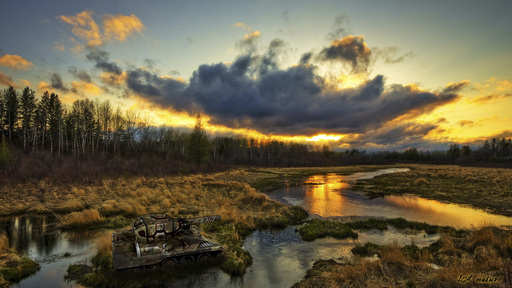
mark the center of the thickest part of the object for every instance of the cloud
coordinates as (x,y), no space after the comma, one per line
(388,54)
(84,27)
(57,83)
(403,135)
(85,88)
(339,28)
(456,87)
(115,27)
(490,98)
(120,27)
(254,92)
(15,62)
(102,62)
(7,80)
(351,49)
(464,123)
(242,26)
(80,74)
(292,101)
(43,86)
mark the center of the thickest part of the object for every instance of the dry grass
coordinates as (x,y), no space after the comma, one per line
(196,195)
(4,244)
(490,257)
(80,219)
(486,188)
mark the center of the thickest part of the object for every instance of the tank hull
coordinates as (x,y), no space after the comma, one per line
(181,245)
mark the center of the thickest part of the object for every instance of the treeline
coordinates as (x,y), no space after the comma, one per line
(39,135)
(495,151)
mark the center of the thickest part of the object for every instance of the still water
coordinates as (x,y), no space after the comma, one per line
(330,196)
(280,258)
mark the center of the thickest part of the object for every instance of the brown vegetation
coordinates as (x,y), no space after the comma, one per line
(13,266)
(485,188)
(483,253)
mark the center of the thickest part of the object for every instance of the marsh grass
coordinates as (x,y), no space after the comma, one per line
(14,266)
(485,188)
(482,252)
(86,218)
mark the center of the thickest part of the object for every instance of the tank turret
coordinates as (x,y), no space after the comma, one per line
(158,239)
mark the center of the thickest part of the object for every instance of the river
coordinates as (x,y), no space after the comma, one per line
(280,258)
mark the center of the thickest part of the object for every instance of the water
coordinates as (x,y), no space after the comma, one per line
(280,258)
(37,237)
(330,196)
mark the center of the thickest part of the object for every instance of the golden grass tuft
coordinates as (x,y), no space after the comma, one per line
(80,219)
(4,244)
(420,181)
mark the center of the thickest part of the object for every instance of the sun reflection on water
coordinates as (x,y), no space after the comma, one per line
(329,196)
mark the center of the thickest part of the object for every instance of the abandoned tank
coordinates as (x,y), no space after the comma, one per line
(160,240)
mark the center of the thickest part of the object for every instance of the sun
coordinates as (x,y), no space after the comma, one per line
(324,137)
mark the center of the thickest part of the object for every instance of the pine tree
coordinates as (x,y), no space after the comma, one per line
(198,146)
(11,106)
(28,112)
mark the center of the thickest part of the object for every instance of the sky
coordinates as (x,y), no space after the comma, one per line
(375,75)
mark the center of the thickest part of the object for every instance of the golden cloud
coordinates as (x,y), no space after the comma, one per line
(81,87)
(43,86)
(84,27)
(113,79)
(120,27)
(15,62)
(242,26)
(252,35)
(7,80)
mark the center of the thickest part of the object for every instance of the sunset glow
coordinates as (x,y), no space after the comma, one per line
(337,73)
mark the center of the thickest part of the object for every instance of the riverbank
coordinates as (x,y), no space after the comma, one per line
(235,195)
(489,189)
(476,258)
(14,266)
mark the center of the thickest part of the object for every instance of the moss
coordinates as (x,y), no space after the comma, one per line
(412,251)
(368,249)
(318,228)
(24,268)
(237,262)
(401,223)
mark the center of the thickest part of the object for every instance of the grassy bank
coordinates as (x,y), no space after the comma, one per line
(13,266)
(485,188)
(319,228)
(477,258)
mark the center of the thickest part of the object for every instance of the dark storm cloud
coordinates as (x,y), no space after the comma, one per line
(102,62)
(56,82)
(350,49)
(269,60)
(403,133)
(283,101)
(80,74)
(254,92)
(162,91)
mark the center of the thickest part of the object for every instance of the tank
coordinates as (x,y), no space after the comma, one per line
(160,240)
